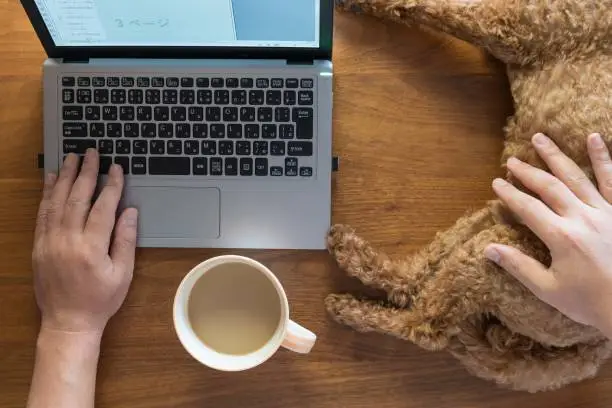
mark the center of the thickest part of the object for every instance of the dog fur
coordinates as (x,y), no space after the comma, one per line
(448,296)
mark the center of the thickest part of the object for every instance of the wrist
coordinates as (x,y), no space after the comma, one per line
(80,343)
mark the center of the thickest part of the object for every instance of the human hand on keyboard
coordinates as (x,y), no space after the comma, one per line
(83,257)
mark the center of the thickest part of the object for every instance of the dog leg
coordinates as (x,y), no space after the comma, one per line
(369,316)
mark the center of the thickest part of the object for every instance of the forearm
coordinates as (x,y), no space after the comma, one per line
(65,370)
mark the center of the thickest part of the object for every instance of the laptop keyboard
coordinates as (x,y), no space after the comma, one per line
(192,125)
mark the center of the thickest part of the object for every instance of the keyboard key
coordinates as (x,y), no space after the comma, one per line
(231,82)
(105,164)
(157,82)
(264,114)
(305,171)
(305,98)
(205,97)
(226,148)
(172,82)
(123,146)
(247,114)
(277,82)
(243,148)
(187,82)
(143,82)
(144,113)
(183,130)
(287,131)
(256,97)
(101,96)
(170,97)
(282,114)
(192,147)
(78,146)
(127,82)
(202,82)
(246,166)
(276,171)
(140,147)
(299,148)
(139,165)
(71,129)
(112,82)
(135,96)
(261,166)
(174,147)
(124,162)
(109,113)
(161,113)
(68,96)
(246,82)
(148,130)
(291,166)
(303,118)
(216,166)
(126,113)
(195,113)
(292,83)
(200,166)
(152,97)
(165,130)
(96,129)
(262,83)
(277,148)
(118,96)
(213,114)
(84,82)
(98,82)
(73,113)
(231,166)
(131,130)
(222,97)
(113,130)
(260,148)
(251,131)
(307,83)
(234,131)
(92,113)
(178,114)
(274,97)
(209,148)
(68,81)
(268,131)
(217,131)
(84,96)
(200,130)
(106,146)
(157,147)
(217,82)
(290,97)
(239,97)
(187,97)
(230,114)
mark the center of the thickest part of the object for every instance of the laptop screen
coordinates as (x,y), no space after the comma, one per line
(189,23)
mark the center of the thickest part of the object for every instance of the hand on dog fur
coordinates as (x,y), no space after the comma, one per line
(574,219)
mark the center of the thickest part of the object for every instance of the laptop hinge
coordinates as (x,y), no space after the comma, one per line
(300,62)
(76,60)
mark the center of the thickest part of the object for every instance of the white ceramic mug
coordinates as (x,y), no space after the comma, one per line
(288,334)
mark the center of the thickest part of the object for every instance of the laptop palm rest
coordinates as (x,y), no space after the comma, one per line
(175,212)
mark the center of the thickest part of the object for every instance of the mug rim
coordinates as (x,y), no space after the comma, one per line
(207,355)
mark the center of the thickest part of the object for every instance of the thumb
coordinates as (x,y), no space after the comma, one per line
(123,249)
(527,270)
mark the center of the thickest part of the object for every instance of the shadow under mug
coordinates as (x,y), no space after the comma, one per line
(288,334)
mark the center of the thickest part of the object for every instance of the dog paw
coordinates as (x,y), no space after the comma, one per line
(349,5)
(339,240)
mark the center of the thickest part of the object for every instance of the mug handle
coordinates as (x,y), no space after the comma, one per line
(299,339)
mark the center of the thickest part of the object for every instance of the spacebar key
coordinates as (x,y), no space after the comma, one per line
(169,166)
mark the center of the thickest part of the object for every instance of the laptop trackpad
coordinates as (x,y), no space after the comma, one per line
(175,212)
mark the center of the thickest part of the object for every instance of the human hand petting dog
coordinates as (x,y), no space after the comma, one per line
(574,219)
(83,260)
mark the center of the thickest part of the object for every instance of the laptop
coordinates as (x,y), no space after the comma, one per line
(219,112)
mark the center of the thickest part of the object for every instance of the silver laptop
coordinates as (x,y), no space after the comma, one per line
(219,112)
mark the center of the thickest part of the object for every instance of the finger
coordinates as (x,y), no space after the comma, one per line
(531,273)
(532,212)
(44,208)
(567,171)
(602,165)
(79,200)
(123,249)
(103,214)
(550,189)
(62,188)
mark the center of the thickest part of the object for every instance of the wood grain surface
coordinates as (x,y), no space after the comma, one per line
(417,125)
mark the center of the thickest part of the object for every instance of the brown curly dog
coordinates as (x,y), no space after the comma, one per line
(448,296)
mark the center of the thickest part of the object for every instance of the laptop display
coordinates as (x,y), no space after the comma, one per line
(182,23)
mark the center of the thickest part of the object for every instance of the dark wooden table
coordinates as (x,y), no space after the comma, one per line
(417,124)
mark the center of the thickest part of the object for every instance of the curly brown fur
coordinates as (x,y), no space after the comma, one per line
(448,296)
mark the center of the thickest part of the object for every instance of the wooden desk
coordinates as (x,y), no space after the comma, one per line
(417,124)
